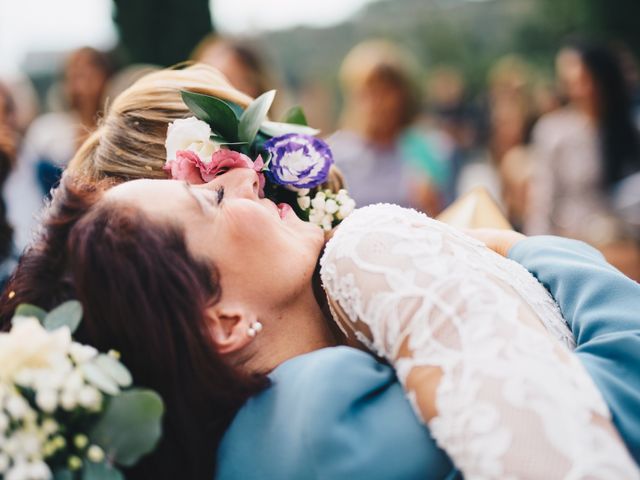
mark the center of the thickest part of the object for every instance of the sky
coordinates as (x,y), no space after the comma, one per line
(61,25)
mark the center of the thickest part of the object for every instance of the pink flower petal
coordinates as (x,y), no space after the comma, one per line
(185,167)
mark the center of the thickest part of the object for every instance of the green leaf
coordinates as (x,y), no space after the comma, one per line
(98,378)
(28,310)
(219,114)
(69,314)
(254,116)
(296,116)
(275,129)
(100,471)
(130,427)
(113,368)
(62,474)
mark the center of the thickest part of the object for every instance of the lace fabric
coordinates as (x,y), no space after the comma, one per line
(479,345)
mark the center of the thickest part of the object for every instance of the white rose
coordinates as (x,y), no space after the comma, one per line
(74,382)
(316,217)
(47,400)
(342,196)
(4,422)
(82,353)
(327,220)
(68,400)
(90,398)
(49,426)
(190,134)
(330,206)
(17,407)
(346,209)
(318,202)
(29,345)
(19,471)
(304,202)
(39,471)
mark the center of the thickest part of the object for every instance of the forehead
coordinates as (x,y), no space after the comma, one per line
(151,196)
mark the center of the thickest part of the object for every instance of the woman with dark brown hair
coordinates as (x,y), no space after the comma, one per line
(144,294)
(206,289)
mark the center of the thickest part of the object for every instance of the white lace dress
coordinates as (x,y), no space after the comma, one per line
(479,345)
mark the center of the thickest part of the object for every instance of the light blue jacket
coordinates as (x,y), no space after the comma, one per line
(337,413)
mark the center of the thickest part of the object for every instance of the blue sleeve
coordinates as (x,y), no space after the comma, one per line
(334,414)
(362,426)
(602,308)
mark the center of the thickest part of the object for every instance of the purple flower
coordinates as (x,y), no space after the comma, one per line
(298,160)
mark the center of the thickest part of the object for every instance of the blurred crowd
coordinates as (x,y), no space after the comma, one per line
(559,153)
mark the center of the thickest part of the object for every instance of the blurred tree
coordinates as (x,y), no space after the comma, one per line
(161,32)
(540,34)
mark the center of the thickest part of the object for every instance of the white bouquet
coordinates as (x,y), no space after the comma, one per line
(67,411)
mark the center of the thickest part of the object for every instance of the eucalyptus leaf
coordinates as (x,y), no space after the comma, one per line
(254,116)
(114,369)
(219,114)
(100,471)
(295,115)
(130,427)
(275,129)
(69,314)
(63,474)
(28,310)
(98,378)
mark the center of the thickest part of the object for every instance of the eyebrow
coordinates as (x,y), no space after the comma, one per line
(187,186)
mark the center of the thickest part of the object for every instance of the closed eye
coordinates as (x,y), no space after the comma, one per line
(219,194)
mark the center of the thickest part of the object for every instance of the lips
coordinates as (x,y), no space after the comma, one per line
(283,210)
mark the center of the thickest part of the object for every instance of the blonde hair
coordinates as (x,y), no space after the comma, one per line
(129,143)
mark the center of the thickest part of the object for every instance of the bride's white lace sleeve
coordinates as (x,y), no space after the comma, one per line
(478,344)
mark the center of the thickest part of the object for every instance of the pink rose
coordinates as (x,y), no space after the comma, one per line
(185,167)
(221,161)
(188,166)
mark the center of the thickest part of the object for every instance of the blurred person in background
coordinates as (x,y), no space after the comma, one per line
(241,63)
(53,138)
(9,143)
(453,116)
(382,157)
(451,123)
(584,150)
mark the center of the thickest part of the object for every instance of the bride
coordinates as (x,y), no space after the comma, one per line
(469,333)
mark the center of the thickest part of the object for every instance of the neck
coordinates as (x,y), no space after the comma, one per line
(301,327)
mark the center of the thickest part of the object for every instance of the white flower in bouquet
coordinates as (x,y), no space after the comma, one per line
(325,208)
(193,135)
(52,400)
(31,346)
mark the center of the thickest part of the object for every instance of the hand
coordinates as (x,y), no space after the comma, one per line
(500,241)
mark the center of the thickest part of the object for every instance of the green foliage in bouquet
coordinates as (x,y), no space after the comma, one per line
(245,130)
(68,412)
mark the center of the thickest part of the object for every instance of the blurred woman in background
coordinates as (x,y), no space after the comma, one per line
(584,149)
(382,158)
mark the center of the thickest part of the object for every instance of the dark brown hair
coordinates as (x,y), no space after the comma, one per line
(144,295)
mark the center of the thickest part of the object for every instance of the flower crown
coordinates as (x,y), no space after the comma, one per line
(291,162)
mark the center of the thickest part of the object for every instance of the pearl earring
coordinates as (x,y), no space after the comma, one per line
(254,329)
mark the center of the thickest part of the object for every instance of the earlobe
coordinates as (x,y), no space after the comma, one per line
(231,329)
